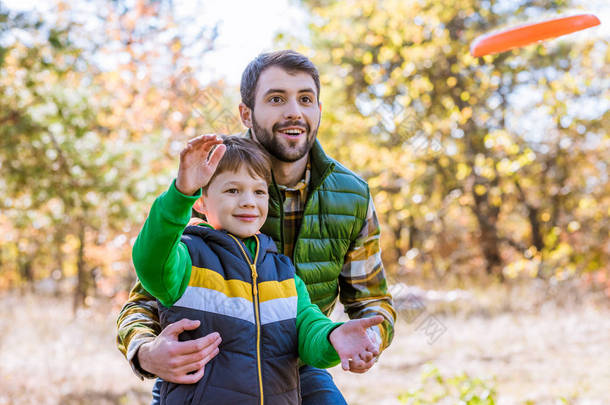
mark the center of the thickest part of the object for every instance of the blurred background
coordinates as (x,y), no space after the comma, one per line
(490,177)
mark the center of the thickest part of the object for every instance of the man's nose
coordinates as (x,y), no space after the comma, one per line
(292,110)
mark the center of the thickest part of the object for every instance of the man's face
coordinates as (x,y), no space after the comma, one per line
(286,113)
(236,202)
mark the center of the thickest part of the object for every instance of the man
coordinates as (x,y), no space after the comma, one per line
(320,214)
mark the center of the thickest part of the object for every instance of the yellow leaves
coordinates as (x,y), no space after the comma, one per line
(504,167)
(465,115)
(367,58)
(573,226)
(463,171)
(562,251)
(545,216)
(464,96)
(337,54)
(386,54)
(426,100)
(408,68)
(451,81)
(372,39)
(447,102)
(372,74)
(480,189)
(495,196)
(521,267)
(587,203)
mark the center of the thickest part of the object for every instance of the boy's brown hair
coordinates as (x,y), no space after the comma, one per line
(240,152)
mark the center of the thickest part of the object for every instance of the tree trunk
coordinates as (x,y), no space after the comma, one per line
(487,217)
(80,293)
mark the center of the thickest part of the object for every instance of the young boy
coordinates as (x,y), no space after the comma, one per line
(232,280)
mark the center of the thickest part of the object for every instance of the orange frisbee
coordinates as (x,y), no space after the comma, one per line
(527,34)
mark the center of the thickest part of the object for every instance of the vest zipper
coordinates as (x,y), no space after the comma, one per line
(255,301)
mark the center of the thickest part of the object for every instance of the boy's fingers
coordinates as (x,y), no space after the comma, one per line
(345,363)
(177,328)
(202,144)
(203,138)
(217,155)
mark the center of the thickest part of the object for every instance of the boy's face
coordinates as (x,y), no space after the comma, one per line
(236,202)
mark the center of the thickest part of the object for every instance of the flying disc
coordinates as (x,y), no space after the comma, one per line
(530,33)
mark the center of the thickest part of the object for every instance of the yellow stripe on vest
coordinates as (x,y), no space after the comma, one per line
(270,290)
(206,278)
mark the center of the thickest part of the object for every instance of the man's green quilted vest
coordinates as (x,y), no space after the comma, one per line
(335,211)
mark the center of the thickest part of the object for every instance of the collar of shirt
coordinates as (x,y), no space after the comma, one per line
(301,186)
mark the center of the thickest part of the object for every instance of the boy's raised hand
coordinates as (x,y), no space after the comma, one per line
(196,170)
(355,348)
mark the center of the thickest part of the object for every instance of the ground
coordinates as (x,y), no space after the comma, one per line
(549,355)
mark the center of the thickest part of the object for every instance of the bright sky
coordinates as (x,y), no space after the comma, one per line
(247,28)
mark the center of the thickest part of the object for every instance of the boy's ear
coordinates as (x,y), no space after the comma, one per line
(199,206)
(245,113)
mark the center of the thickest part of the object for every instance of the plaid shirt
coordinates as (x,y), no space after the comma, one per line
(362,282)
(294,206)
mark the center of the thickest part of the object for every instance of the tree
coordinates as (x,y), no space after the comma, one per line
(85,146)
(460,180)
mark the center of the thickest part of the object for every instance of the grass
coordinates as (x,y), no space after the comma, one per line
(549,354)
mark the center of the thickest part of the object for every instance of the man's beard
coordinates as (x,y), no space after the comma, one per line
(277,149)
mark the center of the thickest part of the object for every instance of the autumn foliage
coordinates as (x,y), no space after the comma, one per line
(489,168)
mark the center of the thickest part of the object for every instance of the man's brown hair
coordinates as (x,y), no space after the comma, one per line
(289,60)
(243,152)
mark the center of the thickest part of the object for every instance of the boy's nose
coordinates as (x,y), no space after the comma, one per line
(247,200)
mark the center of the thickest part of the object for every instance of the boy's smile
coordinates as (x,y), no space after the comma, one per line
(236,202)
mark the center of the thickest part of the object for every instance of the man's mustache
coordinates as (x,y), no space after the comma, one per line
(288,124)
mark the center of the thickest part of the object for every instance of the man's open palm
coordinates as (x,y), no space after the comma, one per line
(353,345)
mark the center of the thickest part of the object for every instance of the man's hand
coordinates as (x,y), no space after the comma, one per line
(196,170)
(172,360)
(353,345)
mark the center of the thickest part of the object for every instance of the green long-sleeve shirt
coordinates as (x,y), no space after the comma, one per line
(163,265)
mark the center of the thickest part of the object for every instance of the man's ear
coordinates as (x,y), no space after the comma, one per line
(245,113)
(199,206)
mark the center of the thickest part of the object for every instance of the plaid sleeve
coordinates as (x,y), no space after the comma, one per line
(363,285)
(138,323)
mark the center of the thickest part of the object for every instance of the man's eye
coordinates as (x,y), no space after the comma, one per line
(306,99)
(276,99)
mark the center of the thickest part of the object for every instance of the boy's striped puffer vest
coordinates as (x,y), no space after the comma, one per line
(258,355)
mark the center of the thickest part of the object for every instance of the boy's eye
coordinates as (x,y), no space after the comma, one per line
(231,191)
(261,192)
